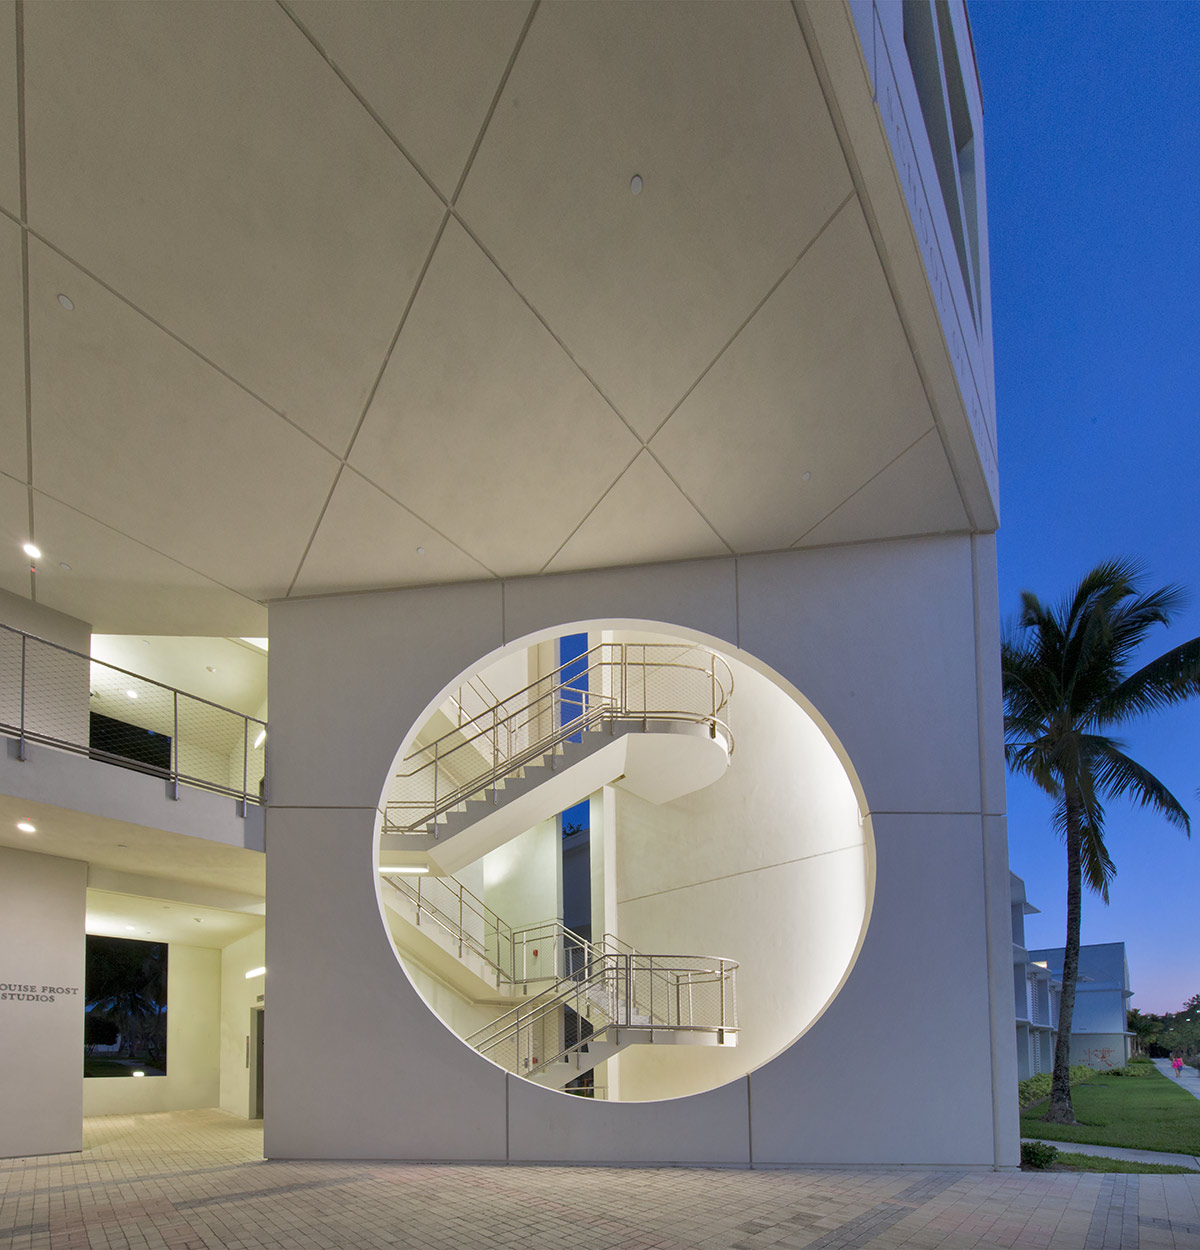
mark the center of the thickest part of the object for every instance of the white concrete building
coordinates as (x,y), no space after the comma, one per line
(1035,994)
(417,337)
(1100,1036)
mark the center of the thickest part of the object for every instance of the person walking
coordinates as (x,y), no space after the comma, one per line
(1177,1065)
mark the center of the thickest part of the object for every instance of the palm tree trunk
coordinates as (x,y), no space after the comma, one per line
(1061,1111)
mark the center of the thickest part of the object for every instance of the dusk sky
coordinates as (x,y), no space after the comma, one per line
(1093,169)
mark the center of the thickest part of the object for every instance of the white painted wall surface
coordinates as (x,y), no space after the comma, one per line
(238,998)
(56,702)
(768,866)
(193,1045)
(42,907)
(883,640)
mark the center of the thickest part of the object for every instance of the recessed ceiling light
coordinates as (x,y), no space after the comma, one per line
(635,184)
(420,551)
(131,693)
(804,477)
(32,550)
(26,826)
(66,568)
(145,642)
(65,301)
(197,920)
(121,846)
(209,668)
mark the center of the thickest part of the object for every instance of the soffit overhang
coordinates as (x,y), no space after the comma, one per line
(361,296)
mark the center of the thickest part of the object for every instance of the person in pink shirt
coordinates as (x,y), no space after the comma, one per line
(1177,1064)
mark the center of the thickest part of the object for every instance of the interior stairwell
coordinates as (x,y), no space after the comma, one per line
(647,717)
(583,1005)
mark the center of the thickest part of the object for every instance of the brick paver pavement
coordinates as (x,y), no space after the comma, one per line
(195,1180)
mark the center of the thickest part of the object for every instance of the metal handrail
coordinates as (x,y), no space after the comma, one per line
(503,738)
(614,974)
(510,959)
(57,697)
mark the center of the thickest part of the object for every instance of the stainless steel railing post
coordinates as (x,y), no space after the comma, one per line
(21,748)
(175,748)
(245,762)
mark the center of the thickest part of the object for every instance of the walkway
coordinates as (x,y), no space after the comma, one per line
(193,1180)
(1188,1079)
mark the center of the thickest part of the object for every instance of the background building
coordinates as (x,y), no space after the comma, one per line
(416,338)
(1100,1037)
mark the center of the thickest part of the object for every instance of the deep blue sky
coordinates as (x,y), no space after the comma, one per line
(1093,179)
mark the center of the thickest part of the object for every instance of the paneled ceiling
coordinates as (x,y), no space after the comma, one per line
(310,297)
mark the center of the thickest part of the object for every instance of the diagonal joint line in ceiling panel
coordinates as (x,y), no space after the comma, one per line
(391,347)
(487,121)
(753,313)
(566,351)
(347,468)
(138,542)
(700,511)
(856,177)
(863,486)
(337,477)
(19,18)
(608,491)
(20,25)
(417,516)
(177,338)
(604,494)
(393,138)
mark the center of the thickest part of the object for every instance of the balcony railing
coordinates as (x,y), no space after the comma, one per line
(57,697)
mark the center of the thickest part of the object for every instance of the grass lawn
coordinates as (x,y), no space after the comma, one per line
(1095,1163)
(1141,1113)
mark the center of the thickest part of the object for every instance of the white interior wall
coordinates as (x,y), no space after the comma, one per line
(457,1013)
(56,683)
(239,998)
(892,644)
(767,866)
(193,1076)
(522,880)
(42,908)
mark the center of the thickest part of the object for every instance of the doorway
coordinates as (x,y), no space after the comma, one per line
(254,1060)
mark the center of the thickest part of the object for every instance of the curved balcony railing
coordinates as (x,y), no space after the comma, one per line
(611,684)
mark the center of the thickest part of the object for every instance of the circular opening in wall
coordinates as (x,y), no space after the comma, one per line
(623,863)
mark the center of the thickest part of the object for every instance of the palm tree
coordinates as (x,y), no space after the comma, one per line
(1065,686)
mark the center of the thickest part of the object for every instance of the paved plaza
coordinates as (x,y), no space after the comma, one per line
(195,1180)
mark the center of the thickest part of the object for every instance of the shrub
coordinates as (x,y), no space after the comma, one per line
(1034,1089)
(1135,1067)
(1038,1087)
(1038,1154)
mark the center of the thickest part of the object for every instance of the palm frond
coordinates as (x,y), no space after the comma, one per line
(1170,679)
(1117,776)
